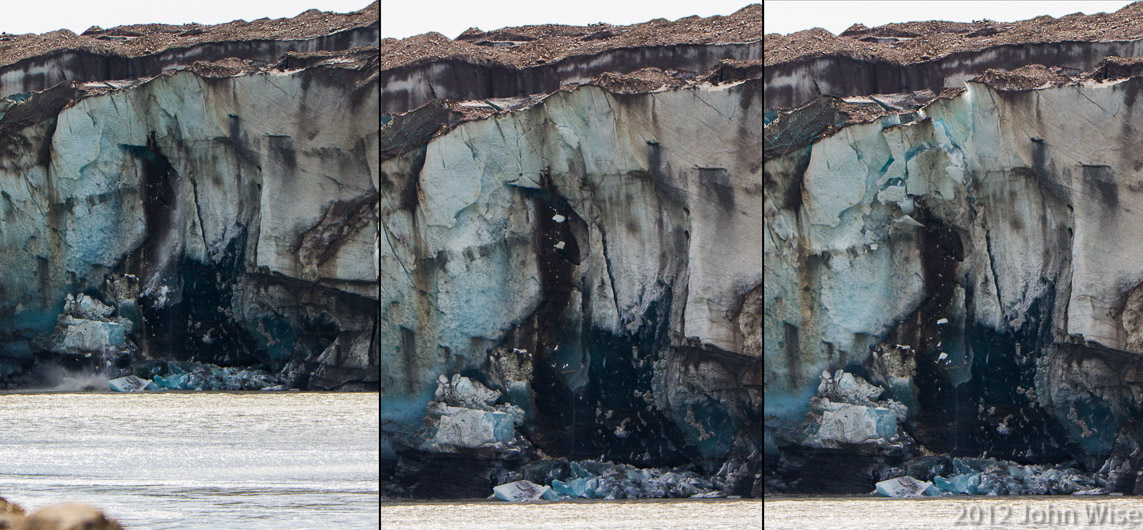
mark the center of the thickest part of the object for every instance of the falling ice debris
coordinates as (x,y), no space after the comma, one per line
(464,414)
(942,321)
(128,384)
(943,356)
(559,218)
(523,490)
(909,221)
(177,375)
(560,245)
(906,487)
(603,480)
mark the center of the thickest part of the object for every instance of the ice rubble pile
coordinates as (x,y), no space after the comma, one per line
(602,480)
(591,479)
(470,419)
(987,476)
(178,375)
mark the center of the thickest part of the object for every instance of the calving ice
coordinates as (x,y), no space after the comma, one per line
(188,218)
(168,197)
(571,274)
(954,294)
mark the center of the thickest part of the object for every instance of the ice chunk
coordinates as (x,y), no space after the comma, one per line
(854,424)
(580,488)
(173,381)
(957,483)
(86,307)
(559,218)
(909,221)
(906,487)
(86,336)
(603,480)
(845,387)
(544,471)
(927,467)
(453,427)
(128,384)
(461,391)
(579,471)
(523,490)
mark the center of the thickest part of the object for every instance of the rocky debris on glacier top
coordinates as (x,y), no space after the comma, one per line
(912,42)
(786,131)
(642,81)
(1028,77)
(145,39)
(525,46)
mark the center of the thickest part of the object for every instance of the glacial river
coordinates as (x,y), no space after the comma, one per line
(966,513)
(249,460)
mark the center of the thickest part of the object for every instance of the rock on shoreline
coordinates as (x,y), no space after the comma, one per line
(69,516)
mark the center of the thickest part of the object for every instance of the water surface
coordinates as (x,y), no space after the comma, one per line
(635,514)
(234,460)
(940,513)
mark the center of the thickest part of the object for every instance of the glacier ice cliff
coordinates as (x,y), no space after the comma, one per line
(581,234)
(966,246)
(205,193)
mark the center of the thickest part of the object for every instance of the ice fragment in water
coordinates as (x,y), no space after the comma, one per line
(128,384)
(523,490)
(906,487)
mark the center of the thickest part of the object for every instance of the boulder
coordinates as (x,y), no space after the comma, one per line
(11,514)
(71,516)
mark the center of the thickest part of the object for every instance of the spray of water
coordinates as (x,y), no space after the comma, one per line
(57,378)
